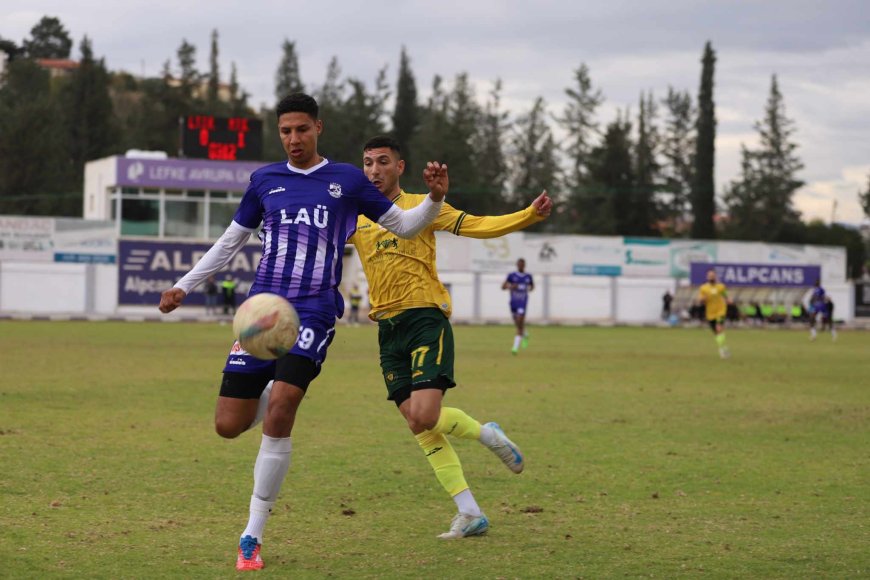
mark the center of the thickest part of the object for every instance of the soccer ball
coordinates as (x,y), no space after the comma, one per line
(266,326)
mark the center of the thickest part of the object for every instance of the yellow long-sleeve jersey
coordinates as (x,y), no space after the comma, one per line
(713,296)
(402,273)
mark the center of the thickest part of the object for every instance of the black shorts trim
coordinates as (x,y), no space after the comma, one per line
(296,370)
(244,385)
(293,369)
(402,394)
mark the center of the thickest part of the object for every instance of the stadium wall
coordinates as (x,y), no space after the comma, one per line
(52,266)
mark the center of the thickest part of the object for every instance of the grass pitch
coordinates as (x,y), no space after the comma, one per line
(647,457)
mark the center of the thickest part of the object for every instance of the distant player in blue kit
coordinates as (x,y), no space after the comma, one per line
(816,307)
(308,207)
(519,284)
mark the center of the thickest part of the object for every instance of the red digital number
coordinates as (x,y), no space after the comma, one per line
(222,151)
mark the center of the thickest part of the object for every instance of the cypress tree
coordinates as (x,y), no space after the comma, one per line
(704,186)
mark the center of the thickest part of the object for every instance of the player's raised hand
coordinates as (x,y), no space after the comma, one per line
(171,299)
(435,176)
(543,205)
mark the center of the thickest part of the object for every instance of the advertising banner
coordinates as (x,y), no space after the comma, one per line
(779,275)
(85,241)
(597,256)
(186,173)
(148,267)
(684,252)
(498,254)
(39,239)
(646,257)
(26,238)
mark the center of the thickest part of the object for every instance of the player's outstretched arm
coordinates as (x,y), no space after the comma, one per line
(483,227)
(218,256)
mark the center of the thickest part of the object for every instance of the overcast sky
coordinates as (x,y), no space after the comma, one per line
(819,50)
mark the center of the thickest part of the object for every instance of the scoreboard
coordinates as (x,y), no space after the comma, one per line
(222,138)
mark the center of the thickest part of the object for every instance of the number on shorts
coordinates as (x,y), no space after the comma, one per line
(418,356)
(306,338)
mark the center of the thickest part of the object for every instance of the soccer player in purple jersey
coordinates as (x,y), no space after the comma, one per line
(520,284)
(308,208)
(817,307)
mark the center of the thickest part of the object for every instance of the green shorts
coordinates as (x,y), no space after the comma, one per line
(416,350)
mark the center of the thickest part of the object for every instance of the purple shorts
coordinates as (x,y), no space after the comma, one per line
(316,331)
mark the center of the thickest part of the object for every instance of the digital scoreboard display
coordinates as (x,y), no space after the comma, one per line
(222,138)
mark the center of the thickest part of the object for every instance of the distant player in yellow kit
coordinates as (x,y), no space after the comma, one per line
(714,296)
(412,307)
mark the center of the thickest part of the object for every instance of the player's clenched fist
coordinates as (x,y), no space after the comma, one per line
(543,204)
(171,299)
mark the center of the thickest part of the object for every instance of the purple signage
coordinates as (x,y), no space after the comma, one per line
(782,275)
(148,267)
(185,173)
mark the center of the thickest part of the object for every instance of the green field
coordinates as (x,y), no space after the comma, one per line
(647,456)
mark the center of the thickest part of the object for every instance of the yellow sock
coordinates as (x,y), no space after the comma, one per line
(456,423)
(443,460)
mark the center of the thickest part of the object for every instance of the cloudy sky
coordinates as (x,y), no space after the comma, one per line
(819,50)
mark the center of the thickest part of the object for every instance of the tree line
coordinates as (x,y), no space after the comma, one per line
(647,172)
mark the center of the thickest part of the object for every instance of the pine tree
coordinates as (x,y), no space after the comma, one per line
(535,163)
(48,39)
(578,121)
(428,142)
(214,77)
(463,114)
(29,130)
(406,114)
(642,208)
(760,201)
(489,156)
(678,150)
(361,117)
(287,77)
(189,75)
(704,186)
(90,114)
(612,182)
(238,97)
(330,97)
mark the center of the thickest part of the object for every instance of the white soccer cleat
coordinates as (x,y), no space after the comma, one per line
(505,449)
(464,525)
(724,352)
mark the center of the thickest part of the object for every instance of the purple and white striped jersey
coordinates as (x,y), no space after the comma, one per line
(307,217)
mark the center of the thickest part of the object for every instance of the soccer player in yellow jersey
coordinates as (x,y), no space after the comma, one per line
(412,309)
(714,297)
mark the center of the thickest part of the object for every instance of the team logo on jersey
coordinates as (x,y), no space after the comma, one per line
(335,190)
(387,244)
(277,190)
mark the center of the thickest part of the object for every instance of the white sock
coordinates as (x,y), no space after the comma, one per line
(813,332)
(262,405)
(517,340)
(466,504)
(271,466)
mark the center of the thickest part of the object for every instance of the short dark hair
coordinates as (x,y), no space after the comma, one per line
(298,103)
(383,141)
